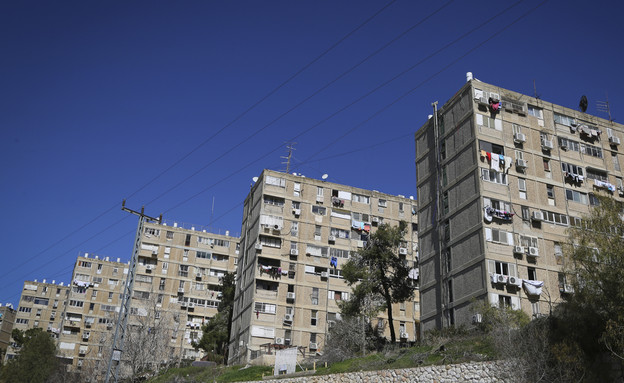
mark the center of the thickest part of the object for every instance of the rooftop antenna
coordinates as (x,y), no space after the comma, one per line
(537,96)
(603,106)
(289,157)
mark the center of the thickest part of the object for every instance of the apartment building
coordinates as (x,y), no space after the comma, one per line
(7,319)
(176,288)
(42,304)
(500,177)
(297,232)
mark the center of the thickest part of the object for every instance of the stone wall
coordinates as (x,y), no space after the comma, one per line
(487,372)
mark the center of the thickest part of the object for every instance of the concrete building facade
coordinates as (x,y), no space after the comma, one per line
(297,232)
(176,287)
(7,320)
(500,178)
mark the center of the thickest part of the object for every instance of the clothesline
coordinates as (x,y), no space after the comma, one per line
(498,162)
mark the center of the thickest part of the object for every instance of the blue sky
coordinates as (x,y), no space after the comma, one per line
(99,99)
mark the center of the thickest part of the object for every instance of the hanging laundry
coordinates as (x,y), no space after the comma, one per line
(483,153)
(367,227)
(532,287)
(495,162)
(507,164)
(494,104)
(489,156)
(487,215)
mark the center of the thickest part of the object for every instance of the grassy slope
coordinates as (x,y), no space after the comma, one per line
(443,351)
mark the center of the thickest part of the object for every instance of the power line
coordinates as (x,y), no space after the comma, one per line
(238,117)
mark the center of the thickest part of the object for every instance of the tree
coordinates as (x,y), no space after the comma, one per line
(379,274)
(594,267)
(36,360)
(216,333)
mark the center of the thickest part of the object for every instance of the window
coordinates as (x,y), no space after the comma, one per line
(84,264)
(275,201)
(317,231)
(567,144)
(296,190)
(25,309)
(313,317)
(270,180)
(317,251)
(527,241)
(339,253)
(550,191)
(296,205)
(591,150)
(504,301)
(315,296)
(526,214)
(498,236)
(42,301)
(489,122)
(564,120)
(270,241)
(556,218)
(546,164)
(337,295)
(593,200)
(161,285)
(169,235)
(383,203)
(294,229)
(496,204)
(360,198)
(616,163)
(576,196)
(319,191)
(571,169)
(202,255)
(532,274)
(445,203)
(502,268)
(266,308)
(21,321)
(339,233)
(319,210)
(183,271)
(535,111)
(493,176)
(522,188)
(141,295)
(149,231)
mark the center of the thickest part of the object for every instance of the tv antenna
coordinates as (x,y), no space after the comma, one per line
(289,157)
(603,106)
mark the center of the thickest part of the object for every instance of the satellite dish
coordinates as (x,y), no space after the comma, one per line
(583,103)
(255,179)
(324,176)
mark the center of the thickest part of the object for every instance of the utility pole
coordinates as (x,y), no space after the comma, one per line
(126,300)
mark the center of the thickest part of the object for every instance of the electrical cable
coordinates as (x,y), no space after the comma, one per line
(238,117)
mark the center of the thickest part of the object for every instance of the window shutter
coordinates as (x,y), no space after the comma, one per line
(515,303)
(512,270)
(510,240)
(493,297)
(487,202)
(498,124)
(479,119)
(491,264)
(488,234)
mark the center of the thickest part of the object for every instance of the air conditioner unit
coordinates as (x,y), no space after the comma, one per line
(614,140)
(290,295)
(85,336)
(324,274)
(547,144)
(483,100)
(500,278)
(360,243)
(191,305)
(313,346)
(568,288)
(519,137)
(288,318)
(521,163)
(533,251)
(404,335)
(518,250)
(294,252)
(109,326)
(513,281)
(375,219)
(181,289)
(198,274)
(332,238)
(537,216)
(297,211)
(402,251)
(258,246)
(279,340)
(331,323)
(149,267)
(319,198)
(183,304)
(477,318)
